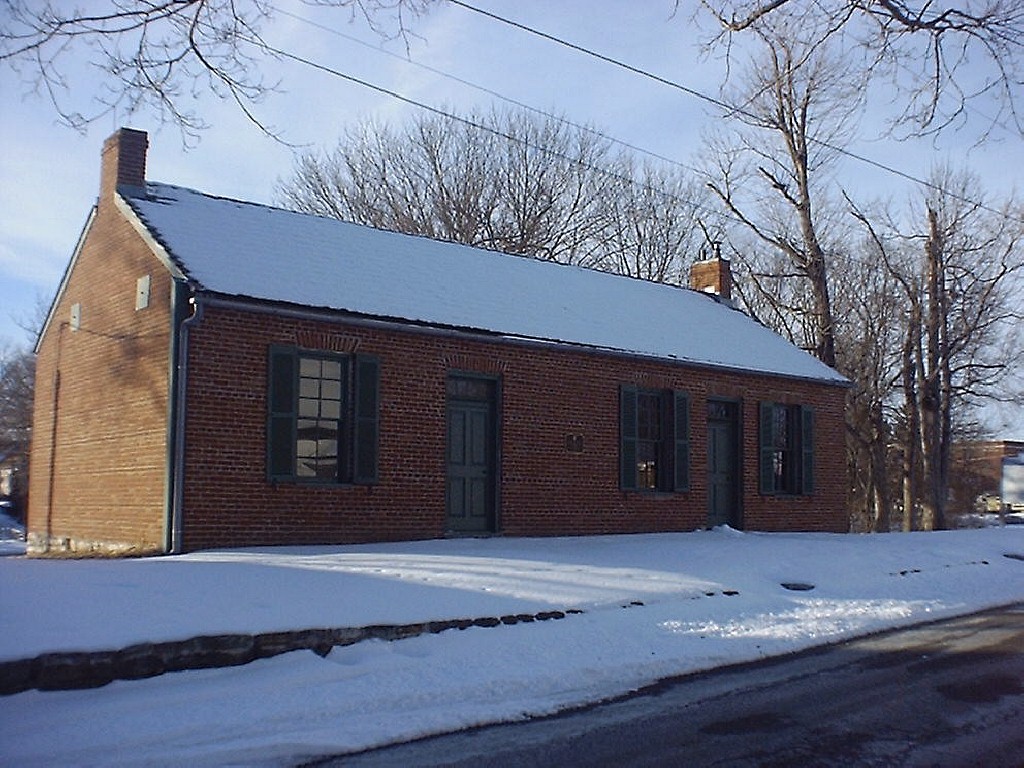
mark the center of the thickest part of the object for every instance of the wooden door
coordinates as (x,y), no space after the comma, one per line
(723,466)
(471,453)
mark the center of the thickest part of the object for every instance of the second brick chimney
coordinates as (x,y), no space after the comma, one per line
(123,162)
(712,276)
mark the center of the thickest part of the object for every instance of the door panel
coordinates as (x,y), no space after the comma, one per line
(723,471)
(456,437)
(471,467)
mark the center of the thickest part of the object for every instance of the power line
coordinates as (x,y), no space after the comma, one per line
(730,110)
(490,92)
(718,213)
(482,127)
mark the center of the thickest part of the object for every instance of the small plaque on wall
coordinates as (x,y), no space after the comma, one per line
(574,443)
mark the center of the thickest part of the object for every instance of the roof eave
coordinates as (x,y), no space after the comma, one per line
(287,309)
(64,278)
(149,238)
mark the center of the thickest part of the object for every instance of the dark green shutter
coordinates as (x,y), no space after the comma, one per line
(681,433)
(807,450)
(627,436)
(281,413)
(367,420)
(767,452)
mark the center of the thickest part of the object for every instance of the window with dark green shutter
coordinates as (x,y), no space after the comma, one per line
(367,387)
(807,451)
(281,419)
(786,449)
(654,446)
(681,459)
(322,417)
(627,432)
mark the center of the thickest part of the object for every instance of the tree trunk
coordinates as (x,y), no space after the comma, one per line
(912,438)
(879,483)
(930,379)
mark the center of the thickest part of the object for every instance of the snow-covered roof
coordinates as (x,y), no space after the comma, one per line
(269,254)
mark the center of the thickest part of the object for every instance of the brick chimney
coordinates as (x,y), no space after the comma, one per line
(712,276)
(123,162)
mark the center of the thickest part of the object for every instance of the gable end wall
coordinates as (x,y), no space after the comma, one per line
(98,481)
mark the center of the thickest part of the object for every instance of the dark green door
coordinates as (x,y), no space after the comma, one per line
(723,466)
(471,465)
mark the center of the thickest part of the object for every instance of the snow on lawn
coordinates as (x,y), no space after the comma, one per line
(654,606)
(12,535)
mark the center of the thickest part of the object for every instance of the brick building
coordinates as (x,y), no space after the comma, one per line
(976,473)
(219,373)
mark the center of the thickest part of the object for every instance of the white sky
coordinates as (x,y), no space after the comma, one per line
(655,606)
(49,173)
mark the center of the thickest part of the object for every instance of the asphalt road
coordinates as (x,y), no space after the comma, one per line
(944,694)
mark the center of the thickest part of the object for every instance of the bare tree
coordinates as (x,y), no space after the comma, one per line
(17,378)
(507,181)
(153,54)
(159,54)
(424,180)
(941,58)
(801,102)
(868,328)
(959,273)
(652,223)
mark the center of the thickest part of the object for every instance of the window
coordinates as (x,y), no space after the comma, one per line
(654,451)
(787,449)
(322,417)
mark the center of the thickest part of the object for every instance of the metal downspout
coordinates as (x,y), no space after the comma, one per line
(55,408)
(181,387)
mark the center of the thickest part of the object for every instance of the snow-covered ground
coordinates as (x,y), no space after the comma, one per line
(12,535)
(654,606)
(987,519)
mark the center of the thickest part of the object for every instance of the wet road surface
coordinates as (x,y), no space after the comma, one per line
(944,694)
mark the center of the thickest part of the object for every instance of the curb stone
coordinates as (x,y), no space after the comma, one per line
(74,670)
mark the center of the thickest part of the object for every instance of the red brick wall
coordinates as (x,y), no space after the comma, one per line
(99,467)
(977,468)
(108,472)
(545,395)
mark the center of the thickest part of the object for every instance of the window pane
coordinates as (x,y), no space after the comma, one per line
(330,390)
(325,430)
(646,464)
(780,429)
(309,387)
(469,388)
(649,445)
(320,408)
(309,366)
(327,469)
(649,416)
(782,454)
(327,434)
(780,470)
(305,443)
